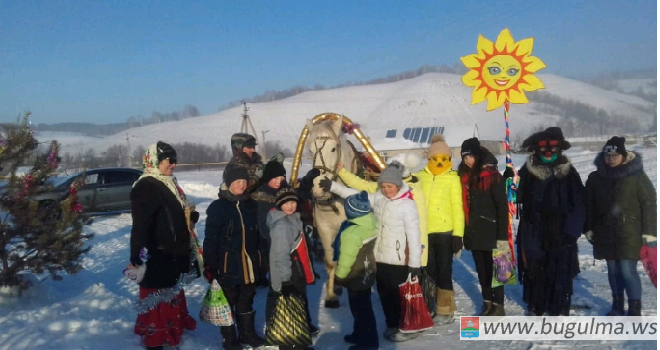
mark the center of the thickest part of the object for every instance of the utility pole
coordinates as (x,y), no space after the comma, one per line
(263,139)
(247,122)
(128,151)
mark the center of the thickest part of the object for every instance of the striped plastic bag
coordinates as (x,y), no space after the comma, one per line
(287,326)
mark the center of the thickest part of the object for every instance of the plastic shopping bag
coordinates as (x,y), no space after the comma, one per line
(504,268)
(429,290)
(415,316)
(215,307)
(287,326)
(649,258)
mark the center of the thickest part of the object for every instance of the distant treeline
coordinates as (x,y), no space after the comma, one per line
(187,153)
(610,81)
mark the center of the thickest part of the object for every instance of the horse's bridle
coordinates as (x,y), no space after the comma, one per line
(330,201)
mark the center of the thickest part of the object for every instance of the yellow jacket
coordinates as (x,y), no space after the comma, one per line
(444,201)
(354,181)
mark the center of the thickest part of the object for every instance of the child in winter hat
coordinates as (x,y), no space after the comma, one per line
(356,268)
(285,194)
(471,147)
(616,145)
(392,174)
(233,173)
(439,155)
(357,205)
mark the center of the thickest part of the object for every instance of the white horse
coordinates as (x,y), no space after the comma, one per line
(329,148)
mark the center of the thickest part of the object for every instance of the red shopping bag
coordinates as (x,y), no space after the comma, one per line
(415,316)
(650,261)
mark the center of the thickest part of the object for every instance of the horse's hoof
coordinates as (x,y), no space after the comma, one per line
(332,304)
(338,290)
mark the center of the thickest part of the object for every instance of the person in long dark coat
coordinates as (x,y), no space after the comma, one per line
(233,254)
(552,217)
(160,229)
(486,218)
(621,216)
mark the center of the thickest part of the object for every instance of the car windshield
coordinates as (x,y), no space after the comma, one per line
(59,181)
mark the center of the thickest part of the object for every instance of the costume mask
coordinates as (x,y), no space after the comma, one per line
(439,164)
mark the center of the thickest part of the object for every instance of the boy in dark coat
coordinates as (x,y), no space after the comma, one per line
(621,216)
(552,218)
(356,269)
(486,218)
(233,254)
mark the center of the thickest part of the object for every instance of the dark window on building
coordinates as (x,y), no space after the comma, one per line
(406,133)
(391,134)
(425,135)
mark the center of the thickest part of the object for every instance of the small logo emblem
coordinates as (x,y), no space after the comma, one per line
(469,327)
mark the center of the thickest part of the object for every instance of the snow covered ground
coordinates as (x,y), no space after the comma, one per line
(92,309)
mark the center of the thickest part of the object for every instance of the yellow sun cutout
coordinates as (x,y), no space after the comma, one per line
(502,71)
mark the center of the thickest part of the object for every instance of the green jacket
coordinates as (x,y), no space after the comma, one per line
(621,206)
(357,262)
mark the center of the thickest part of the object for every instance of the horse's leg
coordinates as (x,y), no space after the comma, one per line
(331,299)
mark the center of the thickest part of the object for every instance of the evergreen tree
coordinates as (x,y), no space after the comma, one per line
(36,236)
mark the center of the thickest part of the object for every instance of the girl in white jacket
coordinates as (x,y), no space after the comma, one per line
(398,246)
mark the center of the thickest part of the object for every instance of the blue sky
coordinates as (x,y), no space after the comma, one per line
(103,61)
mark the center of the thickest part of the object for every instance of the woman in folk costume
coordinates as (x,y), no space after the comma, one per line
(160,227)
(552,217)
(233,254)
(486,218)
(398,228)
(621,216)
(446,223)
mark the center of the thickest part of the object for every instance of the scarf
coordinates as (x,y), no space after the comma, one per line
(150,167)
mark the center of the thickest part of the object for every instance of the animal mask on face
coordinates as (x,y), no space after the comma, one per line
(548,151)
(439,164)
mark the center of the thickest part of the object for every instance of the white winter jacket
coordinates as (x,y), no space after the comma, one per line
(398,225)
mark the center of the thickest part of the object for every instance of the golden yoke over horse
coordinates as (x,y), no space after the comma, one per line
(324,138)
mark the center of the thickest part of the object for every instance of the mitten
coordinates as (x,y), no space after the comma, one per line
(415,272)
(286,288)
(307,182)
(590,236)
(456,245)
(650,241)
(508,172)
(325,184)
(194,217)
(211,274)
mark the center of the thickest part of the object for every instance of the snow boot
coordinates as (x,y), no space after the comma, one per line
(313,330)
(485,309)
(155,347)
(634,307)
(401,337)
(496,310)
(360,347)
(351,338)
(565,306)
(246,332)
(390,332)
(617,306)
(229,339)
(445,307)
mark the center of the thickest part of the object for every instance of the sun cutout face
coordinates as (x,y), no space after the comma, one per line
(502,71)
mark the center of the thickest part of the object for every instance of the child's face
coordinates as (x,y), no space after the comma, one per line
(289,207)
(389,190)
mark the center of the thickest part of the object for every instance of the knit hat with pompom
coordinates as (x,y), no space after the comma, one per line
(438,146)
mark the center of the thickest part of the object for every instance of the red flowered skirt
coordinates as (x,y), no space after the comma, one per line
(164,324)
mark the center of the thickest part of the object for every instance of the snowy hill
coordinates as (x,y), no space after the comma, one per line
(92,310)
(433,99)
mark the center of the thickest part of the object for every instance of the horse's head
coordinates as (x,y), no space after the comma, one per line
(325,144)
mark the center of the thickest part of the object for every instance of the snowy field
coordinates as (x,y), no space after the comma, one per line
(92,309)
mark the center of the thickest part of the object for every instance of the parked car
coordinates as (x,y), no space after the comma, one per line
(104,190)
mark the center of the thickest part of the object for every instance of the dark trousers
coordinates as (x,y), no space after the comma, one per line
(388,279)
(364,320)
(240,297)
(440,260)
(483,261)
(271,300)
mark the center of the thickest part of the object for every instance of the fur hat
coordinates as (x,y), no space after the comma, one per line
(285,194)
(272,170)
(438,146)
(550,134)
(233,173)
(410,161)
(616,145)
(357,205)
(393,174)
(165,151)
(471,147)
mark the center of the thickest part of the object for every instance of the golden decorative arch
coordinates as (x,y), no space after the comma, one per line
(300,148)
